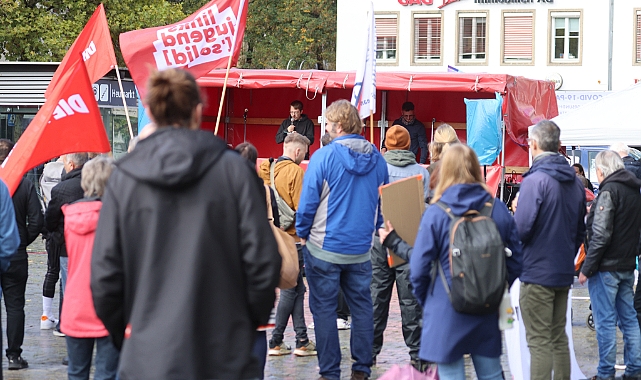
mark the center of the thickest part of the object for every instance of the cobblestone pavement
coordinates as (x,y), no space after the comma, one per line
(45,352)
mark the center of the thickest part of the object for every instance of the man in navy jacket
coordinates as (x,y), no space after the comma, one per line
(550,221)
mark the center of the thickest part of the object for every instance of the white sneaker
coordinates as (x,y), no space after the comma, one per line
(343,324)
(47,323)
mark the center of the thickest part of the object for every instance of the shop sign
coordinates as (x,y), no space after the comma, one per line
(107,93)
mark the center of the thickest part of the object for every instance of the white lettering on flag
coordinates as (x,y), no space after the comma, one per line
(206,38)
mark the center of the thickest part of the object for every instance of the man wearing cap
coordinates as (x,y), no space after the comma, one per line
(401,163)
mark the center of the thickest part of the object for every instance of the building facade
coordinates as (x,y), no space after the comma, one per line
(592,45)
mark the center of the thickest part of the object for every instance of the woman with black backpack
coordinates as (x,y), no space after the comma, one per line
(457,318)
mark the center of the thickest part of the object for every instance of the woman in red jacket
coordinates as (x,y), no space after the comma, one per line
(79,320)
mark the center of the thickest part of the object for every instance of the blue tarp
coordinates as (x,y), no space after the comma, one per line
(484,128)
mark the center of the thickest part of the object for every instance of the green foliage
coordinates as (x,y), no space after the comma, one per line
(278,31)
(290,31)
(43,30)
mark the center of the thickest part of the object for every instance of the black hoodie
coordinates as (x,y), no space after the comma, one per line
(614,224)
(184,257)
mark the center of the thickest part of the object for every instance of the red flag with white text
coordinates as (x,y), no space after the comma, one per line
(94,43)
(200,43)
(68,122)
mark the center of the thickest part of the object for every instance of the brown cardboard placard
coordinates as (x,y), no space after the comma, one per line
(403,204)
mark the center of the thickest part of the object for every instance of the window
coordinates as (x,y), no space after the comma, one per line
(386,31)
(518,37)
(427,38)
(637,57)
(566,28)
(472,37)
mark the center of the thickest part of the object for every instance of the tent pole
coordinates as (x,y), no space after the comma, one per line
(371,126)
(503,160)
(323,121)
(383,122)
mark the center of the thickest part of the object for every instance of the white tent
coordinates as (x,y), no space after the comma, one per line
(613,118)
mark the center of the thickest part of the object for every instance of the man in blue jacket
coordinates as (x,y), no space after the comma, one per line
(337,215)
(550,221)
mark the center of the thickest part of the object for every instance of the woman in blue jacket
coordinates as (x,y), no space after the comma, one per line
(447,334)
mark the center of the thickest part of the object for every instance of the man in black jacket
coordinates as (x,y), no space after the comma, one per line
(67,191)
(614,225)
(29,220)
(629,162)
(299,123)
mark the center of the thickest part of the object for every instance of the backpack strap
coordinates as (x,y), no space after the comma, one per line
(437,269)
(272,164)
(447,209)
(487,209)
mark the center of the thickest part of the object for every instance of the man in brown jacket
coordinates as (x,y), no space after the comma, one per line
(288,183)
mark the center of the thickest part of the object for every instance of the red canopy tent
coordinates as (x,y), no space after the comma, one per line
(266,95)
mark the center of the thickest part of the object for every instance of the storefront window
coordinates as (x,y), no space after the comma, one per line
(117,128)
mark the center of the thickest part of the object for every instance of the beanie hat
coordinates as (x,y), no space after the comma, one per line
(397,138)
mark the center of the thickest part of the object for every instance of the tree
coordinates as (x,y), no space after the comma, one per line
(43,30)
(301,33)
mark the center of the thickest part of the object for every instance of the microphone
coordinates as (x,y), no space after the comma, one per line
(245,114)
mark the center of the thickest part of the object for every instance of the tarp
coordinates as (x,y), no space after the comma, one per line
(611,119)
(484,128)
(266,95)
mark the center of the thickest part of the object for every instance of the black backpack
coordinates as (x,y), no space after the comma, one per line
(477,261)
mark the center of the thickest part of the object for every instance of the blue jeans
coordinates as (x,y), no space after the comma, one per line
(80,351)
(486,369)
(324,280)
(612,298)
(291,302)
(63,272)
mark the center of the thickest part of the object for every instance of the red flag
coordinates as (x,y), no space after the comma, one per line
(94,42)
(69,122)
(200,43)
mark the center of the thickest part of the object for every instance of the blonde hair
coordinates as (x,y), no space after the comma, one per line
(95,174)
(459,165)
(342,111)
(444,136)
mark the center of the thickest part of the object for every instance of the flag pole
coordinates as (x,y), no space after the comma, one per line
(231,55)
(124,102)
(371,126)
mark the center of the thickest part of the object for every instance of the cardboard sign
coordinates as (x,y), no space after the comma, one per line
(403,204)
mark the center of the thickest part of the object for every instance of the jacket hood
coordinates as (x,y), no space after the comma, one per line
(464,197)
(624,177)
(356,154)
(81,218)
(172,157)
(400,158)
(555,166)
(265,165)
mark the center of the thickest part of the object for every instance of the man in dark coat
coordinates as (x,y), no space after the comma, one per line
(416,129)
(29,221)
(299,123)
(629,163)
(614,225)
(184,264)
(549,218)
(67,191)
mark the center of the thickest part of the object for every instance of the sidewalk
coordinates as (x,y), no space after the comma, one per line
(45,352)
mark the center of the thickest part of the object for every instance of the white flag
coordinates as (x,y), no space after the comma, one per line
(364,94)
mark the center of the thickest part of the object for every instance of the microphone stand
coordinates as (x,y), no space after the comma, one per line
(245,125)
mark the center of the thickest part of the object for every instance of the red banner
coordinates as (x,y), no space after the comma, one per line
(200,43)
(68,122)
(94,43)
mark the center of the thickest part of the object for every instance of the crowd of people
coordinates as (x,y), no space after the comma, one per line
(171,246)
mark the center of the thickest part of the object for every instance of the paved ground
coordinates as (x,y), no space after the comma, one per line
(44,352)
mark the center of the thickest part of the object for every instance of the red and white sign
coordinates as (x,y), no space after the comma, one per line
(200,43)
(94,43)
(68,122)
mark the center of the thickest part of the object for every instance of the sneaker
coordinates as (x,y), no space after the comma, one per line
(57,332)
(17,362)
(280,350)
(307,350)
(343,324)
(359,375)
(65,360)
(311,326)
(47,323)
